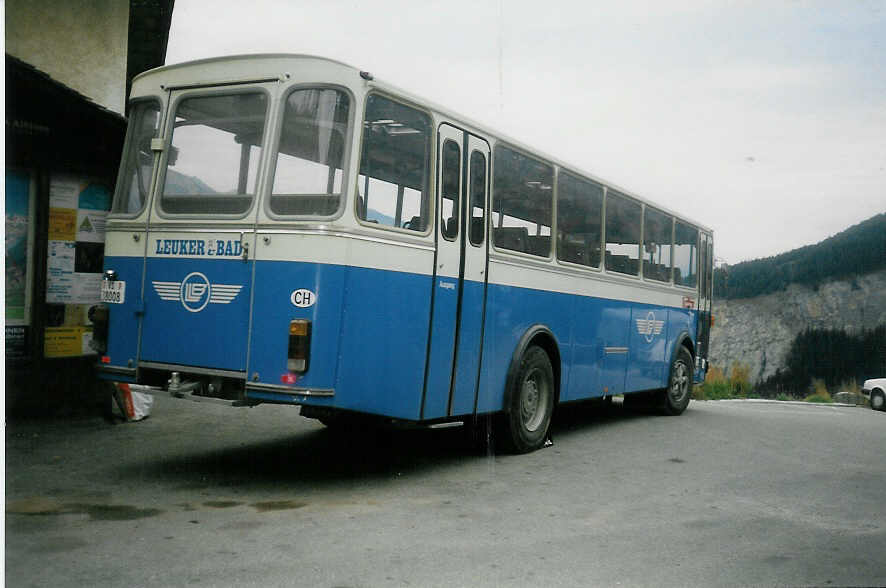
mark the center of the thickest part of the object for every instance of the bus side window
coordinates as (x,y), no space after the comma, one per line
(477,197)
(685,255)
(513,238)
(522,196)
(450,179)
(623,218)
(579,219)
(392,189)
(309,171)
(658,231)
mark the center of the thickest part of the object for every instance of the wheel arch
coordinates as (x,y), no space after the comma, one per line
(683,340)
(543,337)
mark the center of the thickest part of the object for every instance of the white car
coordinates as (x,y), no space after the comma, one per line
(875,391)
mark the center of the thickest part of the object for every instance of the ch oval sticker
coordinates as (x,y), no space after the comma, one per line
(303,298)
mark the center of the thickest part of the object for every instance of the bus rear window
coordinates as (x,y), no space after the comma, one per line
(138,159)
(213,158)
(309,172)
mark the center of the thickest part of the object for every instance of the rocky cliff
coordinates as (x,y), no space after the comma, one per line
(758,331)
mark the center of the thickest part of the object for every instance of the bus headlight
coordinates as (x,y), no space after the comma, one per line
(299,346)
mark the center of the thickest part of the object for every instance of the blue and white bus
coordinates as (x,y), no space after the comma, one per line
(288,229)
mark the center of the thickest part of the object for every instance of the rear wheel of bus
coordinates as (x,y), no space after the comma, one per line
(531,399)
(674,399)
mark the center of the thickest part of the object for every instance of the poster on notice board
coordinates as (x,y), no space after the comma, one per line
(18,267)
(78,210)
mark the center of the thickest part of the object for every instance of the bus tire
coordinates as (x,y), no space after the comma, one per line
(674,399)
(528,418)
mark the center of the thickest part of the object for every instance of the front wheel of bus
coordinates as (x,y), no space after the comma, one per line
(675,398)
(531,402)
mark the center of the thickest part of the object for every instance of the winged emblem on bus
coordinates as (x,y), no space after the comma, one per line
(649,327)
(195,292)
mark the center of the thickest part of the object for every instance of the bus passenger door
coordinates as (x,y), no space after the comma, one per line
(459,286)
(463,396)
(705,286)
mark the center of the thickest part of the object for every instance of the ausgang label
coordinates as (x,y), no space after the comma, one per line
(199,247)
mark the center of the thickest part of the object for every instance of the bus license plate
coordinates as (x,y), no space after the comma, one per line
(113,292)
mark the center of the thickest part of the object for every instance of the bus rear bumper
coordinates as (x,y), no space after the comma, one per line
(277,394)
(291,390)
(190,391)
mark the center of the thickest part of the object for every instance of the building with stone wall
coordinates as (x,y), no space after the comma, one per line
(68,66)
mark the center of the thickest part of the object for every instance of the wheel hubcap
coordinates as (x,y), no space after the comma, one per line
(533,401)
(679,383)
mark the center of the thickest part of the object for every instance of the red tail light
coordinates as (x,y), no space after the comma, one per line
(299,346)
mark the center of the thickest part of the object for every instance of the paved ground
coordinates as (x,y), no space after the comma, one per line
(204,495)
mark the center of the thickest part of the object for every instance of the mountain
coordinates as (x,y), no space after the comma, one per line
(858,250)
(761,306)
(758,331)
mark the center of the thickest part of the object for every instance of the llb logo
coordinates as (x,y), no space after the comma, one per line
(195,292)
(649,327)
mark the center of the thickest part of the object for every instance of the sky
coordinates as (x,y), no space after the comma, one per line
(765,121)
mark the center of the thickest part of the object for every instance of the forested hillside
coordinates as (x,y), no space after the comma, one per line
(856,251)
(834,356)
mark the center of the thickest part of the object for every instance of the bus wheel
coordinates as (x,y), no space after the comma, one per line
(531,403)
(674,399)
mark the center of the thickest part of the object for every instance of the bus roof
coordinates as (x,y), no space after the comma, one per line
(244,68)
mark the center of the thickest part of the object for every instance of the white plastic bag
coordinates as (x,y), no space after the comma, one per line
(135,405)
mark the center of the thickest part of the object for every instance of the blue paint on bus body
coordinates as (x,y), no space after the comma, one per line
(196,312)
(370,328)
(123,319)
(469,347)
(442,348)
(368,339)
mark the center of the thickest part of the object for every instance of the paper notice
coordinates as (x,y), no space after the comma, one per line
(63,224)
